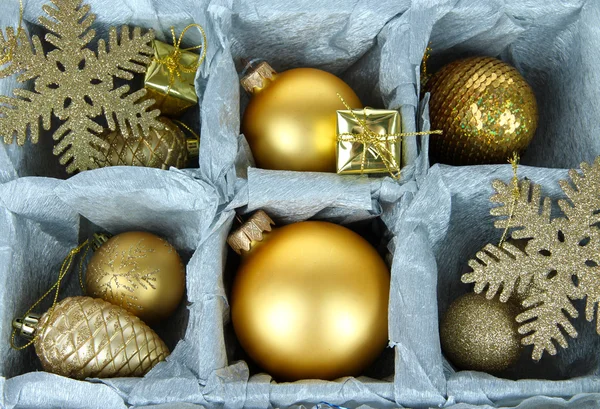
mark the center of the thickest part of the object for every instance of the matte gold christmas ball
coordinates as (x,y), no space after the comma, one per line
(140,272)
(481,334)
(290,122)
(485,109)
(310,301)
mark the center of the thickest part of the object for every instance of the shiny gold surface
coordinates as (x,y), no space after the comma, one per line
(290,124)
(481,334)
(350,153)
(251,231)
(310,302)
(91,338)
(485,109)
(161,148)
(173,93)
(140,272)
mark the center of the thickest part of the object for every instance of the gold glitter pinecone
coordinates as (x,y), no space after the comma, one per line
(91,338)
(485,109)
(160,149)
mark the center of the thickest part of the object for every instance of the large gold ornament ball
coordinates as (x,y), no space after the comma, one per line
(140,272)
(485,109)
(310,302)
(481,334)
(291,123)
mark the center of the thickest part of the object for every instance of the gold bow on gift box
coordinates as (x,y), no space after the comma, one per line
(370,141)
(171,75)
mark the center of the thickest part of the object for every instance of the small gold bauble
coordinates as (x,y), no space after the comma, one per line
(290,122)
(481,334)
(310,300)
(161,148)
(139,271)
(485,109)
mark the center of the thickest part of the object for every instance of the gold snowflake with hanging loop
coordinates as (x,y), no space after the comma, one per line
(76,85)
(560,262)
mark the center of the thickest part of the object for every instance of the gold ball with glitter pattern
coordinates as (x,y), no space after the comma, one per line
(480,334)
(485,109)
(140,272)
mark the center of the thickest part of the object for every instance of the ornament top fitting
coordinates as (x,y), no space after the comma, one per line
(27,325)
(251,231)
(258,77)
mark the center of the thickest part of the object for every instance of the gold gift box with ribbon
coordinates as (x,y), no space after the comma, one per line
(374,150)
(171,75)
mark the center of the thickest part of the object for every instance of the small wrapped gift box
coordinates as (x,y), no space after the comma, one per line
(171,75)
(375,149)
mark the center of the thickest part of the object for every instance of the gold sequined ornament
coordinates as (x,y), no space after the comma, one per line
(76,85)
(561,261)
(309,300)
(480,334)
(138,271)
(485,109)
(83,337)
(290,122)
(161,148)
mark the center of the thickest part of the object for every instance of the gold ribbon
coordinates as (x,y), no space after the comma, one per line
(7,53)
(172,62)
(378,141)
(64,269)
(516,193)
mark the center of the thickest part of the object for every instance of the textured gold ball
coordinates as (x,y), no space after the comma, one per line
(485,109)
(161,148)
(291,123)
(310,302)
(481,334)
(140,272)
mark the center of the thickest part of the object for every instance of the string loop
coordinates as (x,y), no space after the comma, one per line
(64,269)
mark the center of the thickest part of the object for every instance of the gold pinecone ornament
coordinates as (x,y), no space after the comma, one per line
(86,337)
(161,148)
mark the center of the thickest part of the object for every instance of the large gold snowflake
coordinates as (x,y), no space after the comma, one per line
(560,262)
(76,85)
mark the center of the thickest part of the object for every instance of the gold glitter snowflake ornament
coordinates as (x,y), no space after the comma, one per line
(560,262)
(76,85)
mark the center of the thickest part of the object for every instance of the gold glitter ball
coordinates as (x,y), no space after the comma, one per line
(485,109)
(75,84)
(480,334)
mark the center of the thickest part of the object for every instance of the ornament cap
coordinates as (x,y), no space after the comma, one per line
(27,325)
(193,146)
(258,77)
(251,231)
(98,239)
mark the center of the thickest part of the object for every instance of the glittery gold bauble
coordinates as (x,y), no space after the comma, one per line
(481,334)
(90,338)
(290,122)
(140,272)
(485,109)
(309,300)
(161,148)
